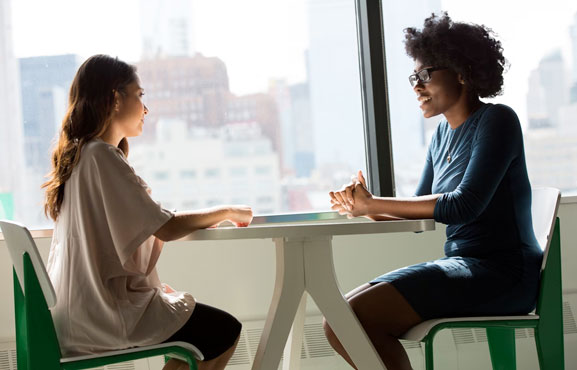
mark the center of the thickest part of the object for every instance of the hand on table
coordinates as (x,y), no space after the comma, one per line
(240,216)
(352,199)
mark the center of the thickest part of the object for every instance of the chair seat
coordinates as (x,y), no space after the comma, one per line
(184,345)
(420,331)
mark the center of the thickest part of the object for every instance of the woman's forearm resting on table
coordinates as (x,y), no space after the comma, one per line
(183,223)
(410,207)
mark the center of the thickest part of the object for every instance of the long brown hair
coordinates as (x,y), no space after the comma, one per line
(90,108)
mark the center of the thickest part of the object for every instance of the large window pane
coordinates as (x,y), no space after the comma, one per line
(254,102)
(540,41)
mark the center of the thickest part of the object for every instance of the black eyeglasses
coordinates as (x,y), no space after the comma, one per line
(424,75)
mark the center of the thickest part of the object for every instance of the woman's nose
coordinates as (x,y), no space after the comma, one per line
(145,109)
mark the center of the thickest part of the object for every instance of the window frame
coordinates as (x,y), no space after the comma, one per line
(375,110)
(375,99)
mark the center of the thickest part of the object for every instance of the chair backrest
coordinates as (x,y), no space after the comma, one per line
(544,207)
(37,344)
(19,241)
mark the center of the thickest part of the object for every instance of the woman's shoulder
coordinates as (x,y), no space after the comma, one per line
(501,111)
(101,150)
(499,117)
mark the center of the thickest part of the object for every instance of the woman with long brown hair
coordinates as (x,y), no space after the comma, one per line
(109,233)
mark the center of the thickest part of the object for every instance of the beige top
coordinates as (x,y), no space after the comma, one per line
(103,257)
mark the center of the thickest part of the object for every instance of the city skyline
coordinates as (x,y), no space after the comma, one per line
(296,116)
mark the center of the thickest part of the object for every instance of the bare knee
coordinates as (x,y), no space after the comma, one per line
(330,334)
(384,310)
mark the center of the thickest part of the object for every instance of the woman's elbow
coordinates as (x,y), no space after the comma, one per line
(168,231)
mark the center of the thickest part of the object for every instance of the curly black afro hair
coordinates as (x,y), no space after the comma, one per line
(468,49)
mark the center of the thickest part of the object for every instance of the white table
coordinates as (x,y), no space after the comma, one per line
(304,264)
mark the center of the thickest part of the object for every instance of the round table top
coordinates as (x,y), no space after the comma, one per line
(311,229)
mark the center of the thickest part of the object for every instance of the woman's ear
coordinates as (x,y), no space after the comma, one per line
(460,79)
(116,101)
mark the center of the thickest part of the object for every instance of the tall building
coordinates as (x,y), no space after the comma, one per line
(335,97)
(45,82)
(573,36)
(167,28)
(190,168)
(335,83)
(260,108)
(11,132)
(195,90)
(294,112)
(536,103)
(411,132)
(191,89)
(551,78)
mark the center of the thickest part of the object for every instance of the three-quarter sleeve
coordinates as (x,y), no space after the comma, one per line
(131,214)
(426,181)
(494,147)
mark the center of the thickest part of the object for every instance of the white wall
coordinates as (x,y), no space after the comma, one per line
(238,276)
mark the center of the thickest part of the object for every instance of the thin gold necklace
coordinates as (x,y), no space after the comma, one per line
(477,105)
(451,148)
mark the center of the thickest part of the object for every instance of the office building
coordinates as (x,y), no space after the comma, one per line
(11,131)
(167,29)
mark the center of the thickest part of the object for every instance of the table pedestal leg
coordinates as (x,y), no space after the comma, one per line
(321,283)
(293,347)
(288,292)
(307,264)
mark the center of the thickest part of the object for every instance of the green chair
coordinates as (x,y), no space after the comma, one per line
(37,346)
(547,320)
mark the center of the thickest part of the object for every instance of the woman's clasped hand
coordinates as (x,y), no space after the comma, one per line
(352,199)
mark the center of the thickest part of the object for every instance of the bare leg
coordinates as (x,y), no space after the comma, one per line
(218,363)
(385,315)
(173,364)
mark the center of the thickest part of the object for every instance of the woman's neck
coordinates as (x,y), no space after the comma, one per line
(457,115)
(111,137)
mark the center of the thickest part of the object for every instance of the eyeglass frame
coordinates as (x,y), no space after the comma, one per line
(415,79)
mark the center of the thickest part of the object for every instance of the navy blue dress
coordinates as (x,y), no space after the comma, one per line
(492,258)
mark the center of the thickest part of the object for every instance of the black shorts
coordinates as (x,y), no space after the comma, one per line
(209,329)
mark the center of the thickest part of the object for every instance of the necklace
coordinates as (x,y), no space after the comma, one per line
(451,148)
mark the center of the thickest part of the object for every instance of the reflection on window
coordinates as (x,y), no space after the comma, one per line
(264,200)
(254,111)
(213,202)
(212,172)
(190,204)
(261,170)
(161,176)
(188,174)
(238,171)
(541,84)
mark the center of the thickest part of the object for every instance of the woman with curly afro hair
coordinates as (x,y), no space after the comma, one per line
(475,181)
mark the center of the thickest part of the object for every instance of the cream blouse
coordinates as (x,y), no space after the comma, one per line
(103,256)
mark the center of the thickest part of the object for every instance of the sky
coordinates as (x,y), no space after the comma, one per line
(263,39)
(529,30)
(257,39)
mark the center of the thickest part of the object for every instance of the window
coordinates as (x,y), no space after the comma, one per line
(249,84)
(541,84)
(188,174)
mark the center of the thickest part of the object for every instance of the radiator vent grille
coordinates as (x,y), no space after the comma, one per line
(569,326)
(5,361)
(315,344)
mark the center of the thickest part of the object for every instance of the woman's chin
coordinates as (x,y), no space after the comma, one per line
(425,113)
